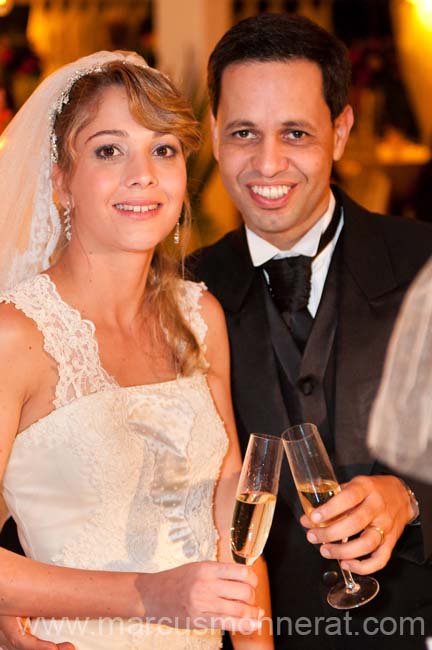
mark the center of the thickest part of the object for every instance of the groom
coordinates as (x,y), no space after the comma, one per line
(311,285)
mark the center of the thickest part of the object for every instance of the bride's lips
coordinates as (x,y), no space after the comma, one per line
(271,196)
(138,211)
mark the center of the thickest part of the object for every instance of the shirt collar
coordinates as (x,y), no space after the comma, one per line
(261,250)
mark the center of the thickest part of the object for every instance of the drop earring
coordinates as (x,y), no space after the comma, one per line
(177,234)
(67,221)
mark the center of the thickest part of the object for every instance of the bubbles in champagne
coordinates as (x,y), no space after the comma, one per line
(253,515)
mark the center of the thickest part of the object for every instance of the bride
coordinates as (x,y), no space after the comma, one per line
(118,453)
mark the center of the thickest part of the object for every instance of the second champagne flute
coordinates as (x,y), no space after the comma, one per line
(316,483)
(256,497)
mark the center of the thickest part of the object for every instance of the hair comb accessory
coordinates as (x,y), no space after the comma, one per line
(77,74)
(54,150)
(64,97)
(62,100)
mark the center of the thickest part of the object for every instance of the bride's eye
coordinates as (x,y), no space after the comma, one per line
(107,151)
(165,151)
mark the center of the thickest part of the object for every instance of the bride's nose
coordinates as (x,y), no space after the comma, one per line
(140,171)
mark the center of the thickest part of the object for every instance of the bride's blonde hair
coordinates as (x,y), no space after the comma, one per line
(156,104)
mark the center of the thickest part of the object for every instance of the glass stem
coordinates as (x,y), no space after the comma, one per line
(351,586)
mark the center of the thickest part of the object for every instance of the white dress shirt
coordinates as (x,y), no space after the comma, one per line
(262,251)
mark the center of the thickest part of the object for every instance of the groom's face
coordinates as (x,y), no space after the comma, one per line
(276,142)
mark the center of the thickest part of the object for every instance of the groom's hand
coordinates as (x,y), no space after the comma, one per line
(15,634)
(376,507)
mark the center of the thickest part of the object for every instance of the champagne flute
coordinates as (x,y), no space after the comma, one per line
(256,497)
(316,483)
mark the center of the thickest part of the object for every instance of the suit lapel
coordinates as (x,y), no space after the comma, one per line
(368,305)
(255,379)
(256,389)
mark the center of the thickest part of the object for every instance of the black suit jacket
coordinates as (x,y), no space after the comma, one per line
(380,256)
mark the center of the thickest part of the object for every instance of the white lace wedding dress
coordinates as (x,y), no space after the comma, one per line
(115,478)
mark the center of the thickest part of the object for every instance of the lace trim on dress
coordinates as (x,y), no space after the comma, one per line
(189,296)
(68,339)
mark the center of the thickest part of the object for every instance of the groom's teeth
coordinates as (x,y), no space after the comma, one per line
(270,192)
(136,208)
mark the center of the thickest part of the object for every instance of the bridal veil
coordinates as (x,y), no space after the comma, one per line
(30,225)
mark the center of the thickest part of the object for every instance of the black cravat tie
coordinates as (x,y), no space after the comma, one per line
(290,285)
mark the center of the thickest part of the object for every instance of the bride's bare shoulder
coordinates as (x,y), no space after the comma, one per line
(18,332)
(19,372)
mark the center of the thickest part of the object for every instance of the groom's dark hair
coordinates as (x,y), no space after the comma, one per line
(283,37)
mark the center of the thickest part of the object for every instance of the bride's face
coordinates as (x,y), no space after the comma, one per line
(127,185)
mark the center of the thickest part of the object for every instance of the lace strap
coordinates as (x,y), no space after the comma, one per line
(68,339)
(189,297)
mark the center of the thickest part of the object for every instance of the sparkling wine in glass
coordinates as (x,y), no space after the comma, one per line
(316,483)
(256,497)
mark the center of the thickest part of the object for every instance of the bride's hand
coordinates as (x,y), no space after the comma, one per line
(202,595)
(16,635)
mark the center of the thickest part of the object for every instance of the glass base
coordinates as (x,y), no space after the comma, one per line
(340,597)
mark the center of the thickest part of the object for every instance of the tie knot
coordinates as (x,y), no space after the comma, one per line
(290,282)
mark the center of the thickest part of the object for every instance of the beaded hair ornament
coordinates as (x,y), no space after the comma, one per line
(61,103)
(30,225)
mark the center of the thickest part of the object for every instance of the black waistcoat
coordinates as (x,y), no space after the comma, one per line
(308,381)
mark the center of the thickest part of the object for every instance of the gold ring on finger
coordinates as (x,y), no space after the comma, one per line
(379,531)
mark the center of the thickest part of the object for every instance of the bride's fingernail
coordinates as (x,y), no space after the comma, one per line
(325,552)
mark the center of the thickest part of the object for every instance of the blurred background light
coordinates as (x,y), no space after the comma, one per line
(424,11)
(6,6)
